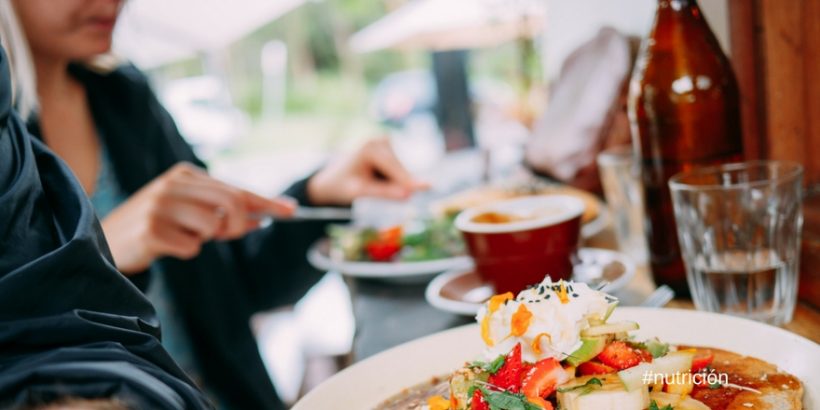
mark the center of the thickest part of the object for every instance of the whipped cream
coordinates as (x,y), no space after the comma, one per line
(546,319)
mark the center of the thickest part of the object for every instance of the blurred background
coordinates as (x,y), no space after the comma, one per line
(266,89)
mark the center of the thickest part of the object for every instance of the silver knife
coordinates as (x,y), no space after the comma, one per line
(306,213)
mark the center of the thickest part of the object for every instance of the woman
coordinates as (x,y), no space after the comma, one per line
(160,215)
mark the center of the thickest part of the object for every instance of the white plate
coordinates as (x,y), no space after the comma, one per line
(318,256)
(380,377)
(460,291)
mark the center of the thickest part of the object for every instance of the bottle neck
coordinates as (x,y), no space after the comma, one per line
(677,4)
(680,8)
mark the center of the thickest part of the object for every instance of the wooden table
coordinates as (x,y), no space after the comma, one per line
(806,321)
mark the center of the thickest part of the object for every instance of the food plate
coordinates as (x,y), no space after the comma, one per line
(319,256)
(462,291)
(367,384)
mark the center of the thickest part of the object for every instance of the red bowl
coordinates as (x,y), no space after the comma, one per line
(514,255)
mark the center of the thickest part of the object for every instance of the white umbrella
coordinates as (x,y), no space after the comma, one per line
(452,24)
(154,32)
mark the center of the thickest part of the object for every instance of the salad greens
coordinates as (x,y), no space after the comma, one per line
(417,240)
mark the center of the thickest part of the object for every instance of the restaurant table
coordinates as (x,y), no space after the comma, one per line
(388,313)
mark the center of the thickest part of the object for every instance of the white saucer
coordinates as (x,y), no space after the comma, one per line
(462,291)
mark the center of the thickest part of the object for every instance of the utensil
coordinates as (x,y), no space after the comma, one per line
(307,213)
(659,298)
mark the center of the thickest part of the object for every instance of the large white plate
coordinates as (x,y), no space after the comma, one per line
(318,256)
(378,378)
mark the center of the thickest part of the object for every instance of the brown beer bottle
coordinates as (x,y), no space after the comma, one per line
(684,113)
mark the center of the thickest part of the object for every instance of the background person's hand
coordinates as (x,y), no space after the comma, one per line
(177,212)
(373,170)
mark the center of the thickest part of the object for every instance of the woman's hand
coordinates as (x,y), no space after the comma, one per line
(373,170)
(177,212)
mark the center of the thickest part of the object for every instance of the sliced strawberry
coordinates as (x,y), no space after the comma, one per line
(645,355)
(702,359)
(477,402)
(619,355)
(592,368)
(508,377)
(541,380)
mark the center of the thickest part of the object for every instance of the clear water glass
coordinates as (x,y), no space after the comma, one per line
(621,181)
(739,228)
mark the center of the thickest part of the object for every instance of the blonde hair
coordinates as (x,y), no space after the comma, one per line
(23,78)
(21,65)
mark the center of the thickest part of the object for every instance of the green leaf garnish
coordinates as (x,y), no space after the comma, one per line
(504,400)
(654,346)
(654,406)
(491,367)
(586,388)
(715,386)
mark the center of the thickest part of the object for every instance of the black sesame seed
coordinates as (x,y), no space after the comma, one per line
(541,290)
(575,295)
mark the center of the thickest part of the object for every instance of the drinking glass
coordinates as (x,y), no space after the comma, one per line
(622,190)
(739,230)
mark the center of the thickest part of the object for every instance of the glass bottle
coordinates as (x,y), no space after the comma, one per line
(684,112)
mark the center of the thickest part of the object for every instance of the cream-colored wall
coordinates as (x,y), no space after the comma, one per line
(571,22)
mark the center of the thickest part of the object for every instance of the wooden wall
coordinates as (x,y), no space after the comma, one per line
(776,56)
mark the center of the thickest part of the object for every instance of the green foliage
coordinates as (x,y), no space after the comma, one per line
(504,400)
(491,367)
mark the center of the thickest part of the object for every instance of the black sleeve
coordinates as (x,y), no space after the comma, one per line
(70,324)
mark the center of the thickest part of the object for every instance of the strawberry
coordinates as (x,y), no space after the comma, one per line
(592,368)
(541,380)
(645,355)
(702,359)
(619,355)
(508,377)
(477,402)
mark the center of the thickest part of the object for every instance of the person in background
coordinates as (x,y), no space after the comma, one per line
(189,241)
(76,334)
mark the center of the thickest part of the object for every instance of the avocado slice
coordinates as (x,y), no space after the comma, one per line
(590,347)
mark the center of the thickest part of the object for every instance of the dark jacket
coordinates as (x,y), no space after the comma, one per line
(70,324)
(217,291)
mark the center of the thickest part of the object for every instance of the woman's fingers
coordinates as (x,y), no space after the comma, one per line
(201,220)
(226,202)
(380,156)
(283,206)
(237,210)
(170,240)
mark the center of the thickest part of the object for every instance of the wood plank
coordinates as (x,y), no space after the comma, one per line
(747,62)
(783,47)
(806,320)
(811,59)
